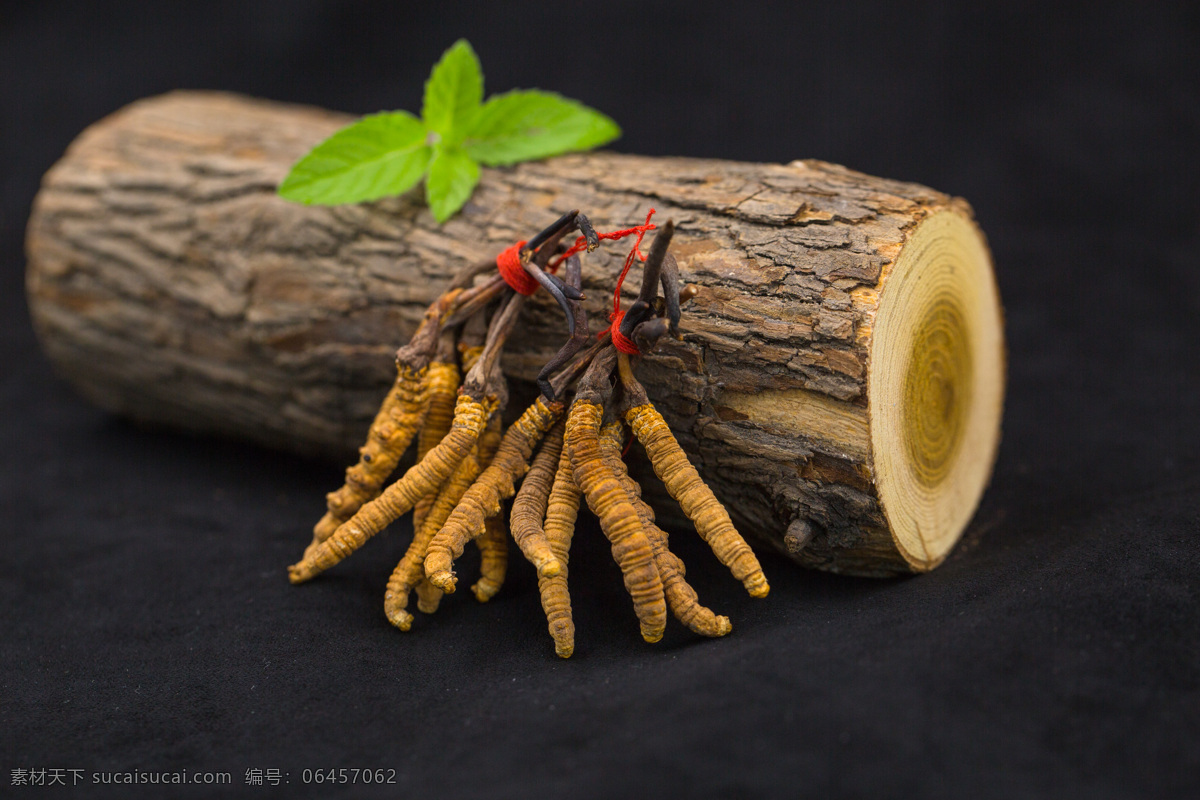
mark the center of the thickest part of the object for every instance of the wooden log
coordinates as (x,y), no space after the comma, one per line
(839,382)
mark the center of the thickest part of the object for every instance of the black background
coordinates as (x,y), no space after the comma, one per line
(147,623)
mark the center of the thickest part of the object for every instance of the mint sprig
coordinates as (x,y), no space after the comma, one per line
(390,152)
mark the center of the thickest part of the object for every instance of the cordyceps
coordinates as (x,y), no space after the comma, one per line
(467,467)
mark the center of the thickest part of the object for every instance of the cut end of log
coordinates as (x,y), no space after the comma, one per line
(936,381)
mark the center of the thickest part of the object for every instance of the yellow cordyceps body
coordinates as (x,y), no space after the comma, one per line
(611,436)
(695,498)
(442,387)
(681,597)
(429,597)
(494,485)
(470,417)
(401,414)
(493,558)
(442,390)
(443,397)
(529,507)
(562,509)
(410,572)
(618,518)
(493,542)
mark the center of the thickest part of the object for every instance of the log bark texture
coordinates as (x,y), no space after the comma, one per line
(169,284)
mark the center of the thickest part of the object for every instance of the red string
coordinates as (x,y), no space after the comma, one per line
(620,341)
(509,264)
(514,274)
(581,241)
(623,343)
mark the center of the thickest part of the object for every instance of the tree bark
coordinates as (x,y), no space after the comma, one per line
(170,284)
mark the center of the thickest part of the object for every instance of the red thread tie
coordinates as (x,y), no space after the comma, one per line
(620,341)
(514,274)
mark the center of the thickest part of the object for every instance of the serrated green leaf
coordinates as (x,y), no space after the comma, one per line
(452,177)
(453,92)
(383,154)
(388,153)
(528,124)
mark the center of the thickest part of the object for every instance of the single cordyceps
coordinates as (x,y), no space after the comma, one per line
(562,509)
(681,597)
(467,467)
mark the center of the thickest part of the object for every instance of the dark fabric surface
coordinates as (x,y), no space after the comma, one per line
(146,620)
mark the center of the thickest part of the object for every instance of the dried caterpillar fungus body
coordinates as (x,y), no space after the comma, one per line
(618,518)
(495,484)
(529,506)
(429,596)
(493,542)
(470,417)
(562,509)
(695,498)
(410,572)
(441,386)
(493,558)
(468,465)
(681,597)
(400,416)
(611,436)
(653,575)
(450,449)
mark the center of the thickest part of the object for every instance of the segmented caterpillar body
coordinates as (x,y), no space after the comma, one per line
(493,542)
(695,498)
(400,415)
(429,597)
(529,506)
(618,518)
(493,558)
(681,597)
(442,389)
(470,417)
(410,572)
(562,509)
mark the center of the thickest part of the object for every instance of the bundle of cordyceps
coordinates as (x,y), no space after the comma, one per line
(466,469)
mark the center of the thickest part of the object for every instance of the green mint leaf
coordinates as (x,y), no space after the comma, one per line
(388,153)
(383,154)
(523,125)
(452,177)
(453,92)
